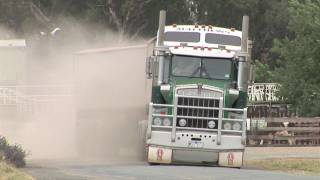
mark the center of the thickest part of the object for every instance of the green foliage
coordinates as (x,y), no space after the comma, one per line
(292,165)
(263,73)
(268,20)
(13,154)
(299,58)
(3,143)
(8,172)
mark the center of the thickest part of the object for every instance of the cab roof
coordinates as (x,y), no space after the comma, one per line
(203,40)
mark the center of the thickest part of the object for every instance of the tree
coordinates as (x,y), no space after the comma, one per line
(268,20)
(125,15)
(9,17)
(177,13)
(30,15)
(263,74)
(299,57)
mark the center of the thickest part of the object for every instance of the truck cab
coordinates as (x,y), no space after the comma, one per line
(197,113)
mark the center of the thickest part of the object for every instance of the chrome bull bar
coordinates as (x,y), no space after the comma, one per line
(174,115)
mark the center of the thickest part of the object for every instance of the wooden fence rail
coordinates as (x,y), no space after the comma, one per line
(285,131)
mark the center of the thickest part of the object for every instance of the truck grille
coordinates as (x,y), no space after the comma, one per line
(195,117)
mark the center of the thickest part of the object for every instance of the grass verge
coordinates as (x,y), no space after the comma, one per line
(8,172)
(295,165)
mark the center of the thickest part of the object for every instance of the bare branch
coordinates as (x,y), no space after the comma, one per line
(39,15)
(129,12)
(111,9)
(134,11)
(139,10)
(138,31)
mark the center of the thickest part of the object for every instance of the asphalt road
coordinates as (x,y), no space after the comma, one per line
(143,171)
(72,170)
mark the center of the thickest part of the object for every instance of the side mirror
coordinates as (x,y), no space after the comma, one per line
(149,66)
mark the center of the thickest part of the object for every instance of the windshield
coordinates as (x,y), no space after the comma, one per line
(212,68)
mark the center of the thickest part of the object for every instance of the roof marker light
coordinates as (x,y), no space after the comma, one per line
(202,48)
(196,26)
(209,49)
(232,29)
(174,25)
(203,26)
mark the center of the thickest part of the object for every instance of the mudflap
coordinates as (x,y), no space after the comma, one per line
(231,159)
(159,155)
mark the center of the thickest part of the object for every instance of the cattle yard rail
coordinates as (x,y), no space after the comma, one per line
(284,132)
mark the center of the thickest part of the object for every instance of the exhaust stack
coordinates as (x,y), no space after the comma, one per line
(162,24)
(245,34)
(243,57)
(160,49)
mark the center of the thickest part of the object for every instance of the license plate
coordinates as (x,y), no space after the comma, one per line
(195,144)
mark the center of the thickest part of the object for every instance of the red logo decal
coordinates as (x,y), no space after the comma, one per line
(159,154)
(230,159)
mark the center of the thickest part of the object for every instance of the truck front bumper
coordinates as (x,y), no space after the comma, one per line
(207,151)
(168,155)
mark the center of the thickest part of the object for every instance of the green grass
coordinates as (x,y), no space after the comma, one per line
(8,172)
(296,165)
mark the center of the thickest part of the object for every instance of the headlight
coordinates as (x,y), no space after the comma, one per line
(166,122)
(182,122)
(236,126)
(157,121)
(227,126)
(211,124)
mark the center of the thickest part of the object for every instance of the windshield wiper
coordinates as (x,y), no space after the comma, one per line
(204,71)
(195,72)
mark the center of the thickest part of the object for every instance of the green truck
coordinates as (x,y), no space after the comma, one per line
(197,113)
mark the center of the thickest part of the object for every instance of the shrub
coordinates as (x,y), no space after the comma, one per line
(3,143)
(13,154)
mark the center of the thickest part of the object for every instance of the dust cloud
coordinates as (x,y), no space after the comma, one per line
(77,105)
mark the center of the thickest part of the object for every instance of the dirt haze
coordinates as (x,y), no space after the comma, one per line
(78,106)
